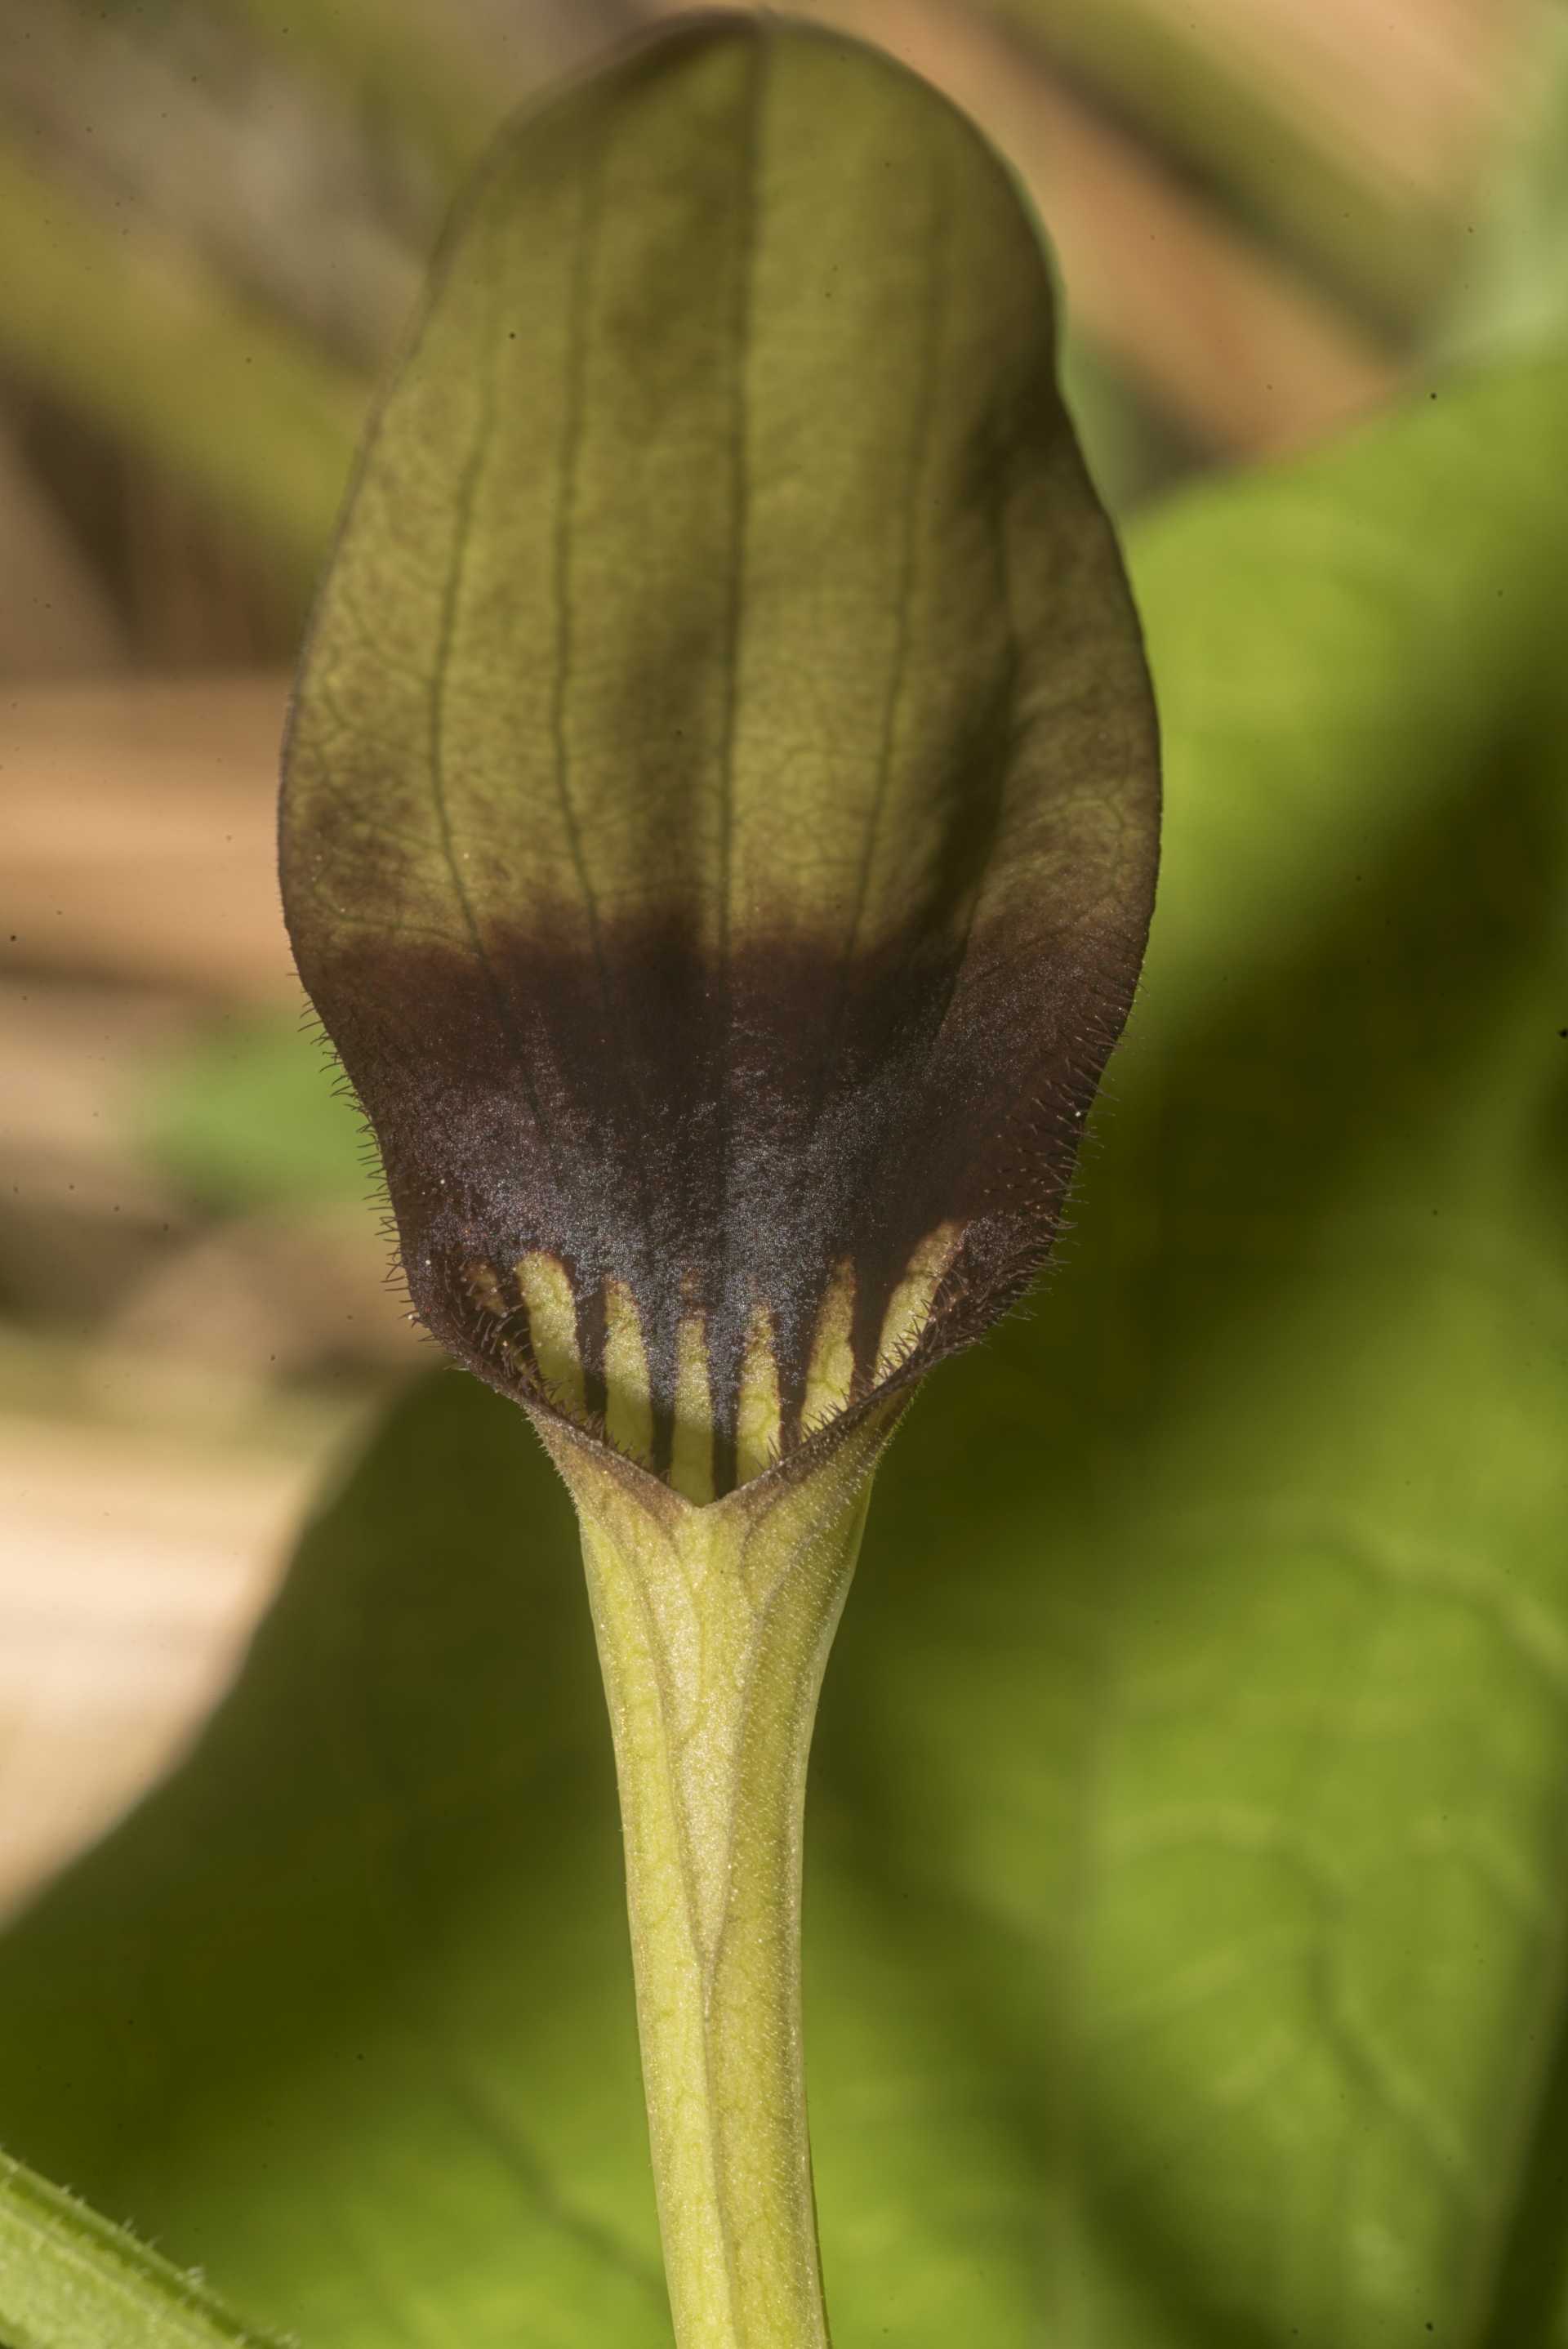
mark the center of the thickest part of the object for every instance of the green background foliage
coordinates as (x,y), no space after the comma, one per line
(246,1118)
(1185,1908)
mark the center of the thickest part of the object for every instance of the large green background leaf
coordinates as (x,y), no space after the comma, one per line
(1186,1903)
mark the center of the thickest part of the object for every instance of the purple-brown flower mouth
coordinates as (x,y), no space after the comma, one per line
(720,813)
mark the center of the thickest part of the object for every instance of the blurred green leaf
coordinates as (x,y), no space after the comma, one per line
(1259,147)
(1186,1908)
(412,67)
(70,2281)
(246,1119)
(1510,292)
(1134,452)
(142,338)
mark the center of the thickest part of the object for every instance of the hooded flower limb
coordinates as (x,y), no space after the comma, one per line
(718,834)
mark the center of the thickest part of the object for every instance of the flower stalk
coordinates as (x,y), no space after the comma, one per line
(714,1624)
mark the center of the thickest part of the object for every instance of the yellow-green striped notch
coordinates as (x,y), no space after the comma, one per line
(551,1349)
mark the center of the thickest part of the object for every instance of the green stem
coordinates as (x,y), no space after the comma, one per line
(714,1626)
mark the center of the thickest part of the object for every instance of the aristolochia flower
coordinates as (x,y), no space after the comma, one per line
(718,834)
